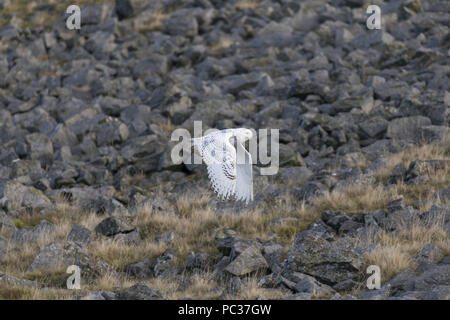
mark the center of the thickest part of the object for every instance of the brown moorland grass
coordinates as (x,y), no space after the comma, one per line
(196,226)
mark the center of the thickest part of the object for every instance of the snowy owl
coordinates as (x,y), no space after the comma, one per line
(229,170)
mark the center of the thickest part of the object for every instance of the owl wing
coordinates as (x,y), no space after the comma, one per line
(220,158)
(244,175)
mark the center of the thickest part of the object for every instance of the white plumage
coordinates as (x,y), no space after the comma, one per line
(229,170)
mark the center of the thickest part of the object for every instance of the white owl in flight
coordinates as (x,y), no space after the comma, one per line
(229,170)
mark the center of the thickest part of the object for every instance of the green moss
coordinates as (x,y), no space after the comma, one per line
(19,223)
(447,152)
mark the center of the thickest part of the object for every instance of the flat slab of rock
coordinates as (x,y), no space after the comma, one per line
(250,260)
(7,225)
(139,292)
(406,128)
(17,282)
(63,254)
(329,262)
(112,226)
(79,234)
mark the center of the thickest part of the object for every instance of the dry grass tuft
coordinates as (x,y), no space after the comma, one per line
(246,5)
(396,251)
(151,22)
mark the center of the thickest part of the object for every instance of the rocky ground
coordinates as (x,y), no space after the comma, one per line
(85,170)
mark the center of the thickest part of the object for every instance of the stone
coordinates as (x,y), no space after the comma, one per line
(182,23)
(273,254)
(17,282)
(250,260)
(140,270)
(112,226)
(79,235)
(292,176)
(308,284)
(329,262)
(163,266)
(111,131)
(406,128)
(7,226)
(41,148)
(425,168)
(431,134)
(124,9)
(428,255)
(299,296)
(63,254)
(130,238)
(197,261)
(3,247)
(374,127)
(139,292)
(13,191)
(99,295)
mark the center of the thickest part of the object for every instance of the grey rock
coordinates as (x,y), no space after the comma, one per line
(419,168)
(272,280)
(299,296)
(233,286)
(436,276)
(79,234)
(438,215)
(13,191)
(104,205)
(406,128)
(430,254)
(166,238)
(273,254)
(41,148)
(112,226)
(99,295)
(64,254)
(124,9)
(31,168)
(182,23)
(293,175)
(374,127)
(308,284)
(376,294)
(250,260)
(438,293)
(133,237)
(398,173)
(283,221)
(139,292)
(24,235)
(36,199)
(3,247)
(7,226)
(310,190)
(197,261)
(345,285)
(443,195)
(431,134)
(140,270)
(402,282)
(329,262)
(164,266)
(111,131)
(17,282)
(233,246)
(403,218)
